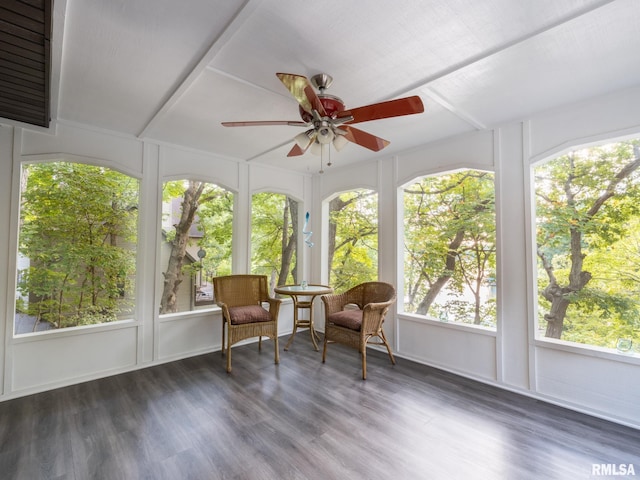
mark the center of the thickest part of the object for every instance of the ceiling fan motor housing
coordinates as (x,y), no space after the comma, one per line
(332,106)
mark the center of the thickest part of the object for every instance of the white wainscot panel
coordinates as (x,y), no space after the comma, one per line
(453,348)
(188,335)
(268,179)
(123,151)
(474,150)
(347,178)
(602,385)
(56,360)
(182,163)
(596,119)
(285,317)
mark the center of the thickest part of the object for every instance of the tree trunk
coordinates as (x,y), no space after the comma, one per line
(173,277)
(555,317)
(560,296)
(289,242)
(335,205)
(477,318)
(450,264)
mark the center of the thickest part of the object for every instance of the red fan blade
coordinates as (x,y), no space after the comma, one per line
(264,122)
(303,142)
(364,139)
(392,108)
(296,151)
(303,92)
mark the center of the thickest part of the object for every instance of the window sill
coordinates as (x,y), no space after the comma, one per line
(170,317)
(588,350)
(479,329)
(72,331)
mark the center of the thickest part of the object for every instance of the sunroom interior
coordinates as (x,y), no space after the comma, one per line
(143,87)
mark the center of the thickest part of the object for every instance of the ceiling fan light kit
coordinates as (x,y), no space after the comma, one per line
(339,142)
(330,122)
(304,139)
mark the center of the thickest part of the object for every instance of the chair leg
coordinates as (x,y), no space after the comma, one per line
(324,347)
(229,355)
(275,342)
(386,344)
(260,343)
(364,362)
(223,338)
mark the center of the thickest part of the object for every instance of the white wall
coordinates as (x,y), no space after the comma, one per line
(592,380)
(597,382)
(36,362)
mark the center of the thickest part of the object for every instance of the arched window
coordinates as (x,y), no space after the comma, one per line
(77,246)
(450,247)
(196,243)
(353,239)
(587,213)
(274,237)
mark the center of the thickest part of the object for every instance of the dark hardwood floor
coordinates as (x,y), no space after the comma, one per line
(301,420)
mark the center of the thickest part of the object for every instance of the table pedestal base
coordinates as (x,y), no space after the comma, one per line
(309,293)
(303,323)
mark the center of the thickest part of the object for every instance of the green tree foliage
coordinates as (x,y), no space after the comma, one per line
(353,239)
(208,208)
(215,221)
(449,234)
(274,237)
(587,206)
(78,232)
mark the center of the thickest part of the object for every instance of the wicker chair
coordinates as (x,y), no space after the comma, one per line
(357,327)
(241,298)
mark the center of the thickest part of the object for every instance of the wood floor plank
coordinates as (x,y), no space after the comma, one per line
(301,419)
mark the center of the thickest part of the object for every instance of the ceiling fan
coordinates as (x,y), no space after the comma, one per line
(326,118)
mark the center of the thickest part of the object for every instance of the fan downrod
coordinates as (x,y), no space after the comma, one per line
(321,81)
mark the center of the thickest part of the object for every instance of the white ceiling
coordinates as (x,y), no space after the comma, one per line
(171,71)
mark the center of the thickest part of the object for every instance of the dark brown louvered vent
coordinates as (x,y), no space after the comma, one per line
(25,59)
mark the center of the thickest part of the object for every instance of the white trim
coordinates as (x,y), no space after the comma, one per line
(527,393)
(467,327)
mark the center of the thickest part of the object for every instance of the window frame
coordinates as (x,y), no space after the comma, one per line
(326,267)
(536,337)
(426,318)
(16,212)
(162,266)
(299,255)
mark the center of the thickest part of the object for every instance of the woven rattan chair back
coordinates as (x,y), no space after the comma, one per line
(241,290)
(359,327)
(232,293)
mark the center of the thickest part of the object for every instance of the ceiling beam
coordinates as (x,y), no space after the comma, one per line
(217,71)
(227,34)
(424,83)
(457,111)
